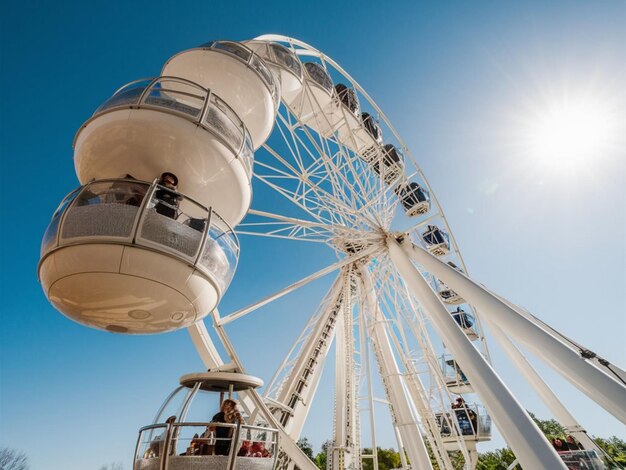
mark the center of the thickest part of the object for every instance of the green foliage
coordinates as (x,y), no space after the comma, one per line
(387,459)
(549,427)
(306,447)
(499,459)
(322,457)
(320,460)
(615,448)
(456,458)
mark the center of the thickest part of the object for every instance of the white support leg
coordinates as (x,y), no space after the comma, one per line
(365,361)
(517,427)
(597,385)
(299,391)
(402,413)
(345,449)
(205,347)
(405,464)
(562,415)
(337,452)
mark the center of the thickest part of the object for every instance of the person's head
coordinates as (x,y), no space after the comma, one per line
(459,401)
(246,444)
(570,439)
(169,180)
(558,441)
(229,406)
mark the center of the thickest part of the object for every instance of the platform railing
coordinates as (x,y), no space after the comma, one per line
(205,445)
(319,75)
(137,213)
(470,420)
(582,460)
(190,101)
(251,59)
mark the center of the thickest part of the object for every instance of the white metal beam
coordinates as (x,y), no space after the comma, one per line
(595,383)
(562,414)
(517,427)
(404,420)
(211,358)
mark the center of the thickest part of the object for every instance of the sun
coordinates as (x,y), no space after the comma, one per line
(573,132)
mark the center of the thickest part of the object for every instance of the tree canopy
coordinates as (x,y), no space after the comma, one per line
(499,459)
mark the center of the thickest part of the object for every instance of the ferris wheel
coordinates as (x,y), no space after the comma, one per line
(149,243)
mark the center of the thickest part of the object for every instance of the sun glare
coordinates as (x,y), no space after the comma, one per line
(568,135)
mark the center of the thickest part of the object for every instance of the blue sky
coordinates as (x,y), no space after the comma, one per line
(461,81)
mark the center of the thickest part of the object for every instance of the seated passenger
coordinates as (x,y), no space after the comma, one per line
(452,363)
(466,417)
(433,236)
(462,318)
(245,449)
(168,199)
(228,414)
(572,444)
(559,445)
(259,450)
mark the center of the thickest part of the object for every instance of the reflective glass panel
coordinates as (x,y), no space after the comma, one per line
(258,65)
(50,237)
(177,96)
(225,123)
(151,448)
(221,252)
(256,448)
(348,97)
(104,209)
(247,154)
(285,57)
(372,127)
(126,96)
(174,222)
(199,441)
(317,73)
(233,48)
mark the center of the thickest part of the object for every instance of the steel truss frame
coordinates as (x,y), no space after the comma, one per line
(384,304)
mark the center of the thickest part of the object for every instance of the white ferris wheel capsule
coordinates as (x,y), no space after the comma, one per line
(128,256)
(171,124)
(285,65)
(236,74)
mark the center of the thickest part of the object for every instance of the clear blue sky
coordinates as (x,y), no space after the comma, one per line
(461,81)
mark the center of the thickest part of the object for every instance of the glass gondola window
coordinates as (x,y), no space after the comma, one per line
(412,194)
(50,237)
(104,209)
(434,236)
(233,48)
(284,56)
(372,127)
(174,222)
(391,157)
(128,95)
(348,97)
(319,75)
(464,320)
(225,122)
(177,95)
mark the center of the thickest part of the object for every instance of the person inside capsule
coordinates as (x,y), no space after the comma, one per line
(168,199)
(462,318)
(228,414)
